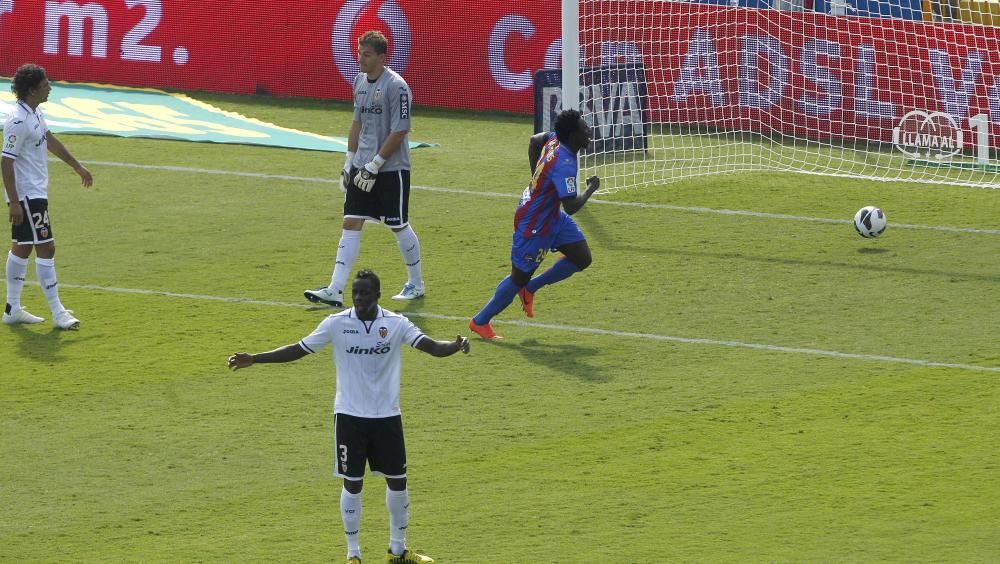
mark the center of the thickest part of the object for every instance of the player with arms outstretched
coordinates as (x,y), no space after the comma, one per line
(539,223)
(368,428)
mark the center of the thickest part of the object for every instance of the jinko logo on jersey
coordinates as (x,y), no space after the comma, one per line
(373,350)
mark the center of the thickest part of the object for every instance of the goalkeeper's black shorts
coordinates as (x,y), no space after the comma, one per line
(388,202)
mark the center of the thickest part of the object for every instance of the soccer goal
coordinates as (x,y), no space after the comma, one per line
(905,90)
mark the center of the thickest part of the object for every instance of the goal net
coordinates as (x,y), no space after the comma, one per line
(895,90)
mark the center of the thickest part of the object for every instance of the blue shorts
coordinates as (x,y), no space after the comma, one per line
(526,253)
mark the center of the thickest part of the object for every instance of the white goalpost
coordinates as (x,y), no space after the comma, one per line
(891,90)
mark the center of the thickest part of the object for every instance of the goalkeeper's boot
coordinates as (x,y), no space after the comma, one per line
(408,557)
(326,296)
(410,291)
(527,299)
(17,316)
(484,331)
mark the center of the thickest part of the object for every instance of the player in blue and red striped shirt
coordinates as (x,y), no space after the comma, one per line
(539,223)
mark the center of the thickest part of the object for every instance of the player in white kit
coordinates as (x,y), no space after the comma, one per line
(25,165)
(367,341)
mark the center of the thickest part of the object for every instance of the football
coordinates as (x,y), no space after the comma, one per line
(869,221)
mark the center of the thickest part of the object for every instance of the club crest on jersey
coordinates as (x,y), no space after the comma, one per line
(377,94)
(43,232)
(383,332)
(571,185)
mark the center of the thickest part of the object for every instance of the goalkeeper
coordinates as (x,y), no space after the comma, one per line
(540,224)
(376,173)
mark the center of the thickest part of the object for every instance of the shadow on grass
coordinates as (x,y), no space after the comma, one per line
(46,345)
(567,358)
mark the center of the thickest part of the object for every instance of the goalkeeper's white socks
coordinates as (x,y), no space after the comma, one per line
(350,512)
(347,253)
(398,504)
(17,269)
(409,246)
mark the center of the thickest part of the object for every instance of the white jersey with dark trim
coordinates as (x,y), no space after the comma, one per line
(25,139)
(367,358)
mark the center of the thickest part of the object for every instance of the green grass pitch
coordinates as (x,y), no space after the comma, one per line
(758,386)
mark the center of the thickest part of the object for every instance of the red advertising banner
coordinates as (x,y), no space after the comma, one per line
(802,74)
(453,53)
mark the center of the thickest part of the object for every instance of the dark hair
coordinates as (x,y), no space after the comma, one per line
(371,277)
(376,41)
(567,122)
(28,78)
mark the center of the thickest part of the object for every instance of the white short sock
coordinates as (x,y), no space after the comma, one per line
(46,271)
(347,253)
(350,512)
(398,504)
(409,245)
(17,269)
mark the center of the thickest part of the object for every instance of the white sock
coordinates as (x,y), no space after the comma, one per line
(409,245)
(350,512)
(347,253)
(46,271)
(17,269)
(398,504)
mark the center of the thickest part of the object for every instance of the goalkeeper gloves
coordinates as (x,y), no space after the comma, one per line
(345,175)
(365,179)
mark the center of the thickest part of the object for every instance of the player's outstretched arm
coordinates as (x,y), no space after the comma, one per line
(284,354)
(573,205)
(443,348)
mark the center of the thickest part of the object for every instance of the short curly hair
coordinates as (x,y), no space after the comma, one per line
(371,277)
(567,122)
(27,78)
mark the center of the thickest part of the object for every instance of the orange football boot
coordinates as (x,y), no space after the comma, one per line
(484,331)
(527,299)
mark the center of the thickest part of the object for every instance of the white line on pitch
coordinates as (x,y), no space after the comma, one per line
(570,329)
(512,196)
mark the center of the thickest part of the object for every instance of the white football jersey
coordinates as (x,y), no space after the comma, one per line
(367,358)
(25,139)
